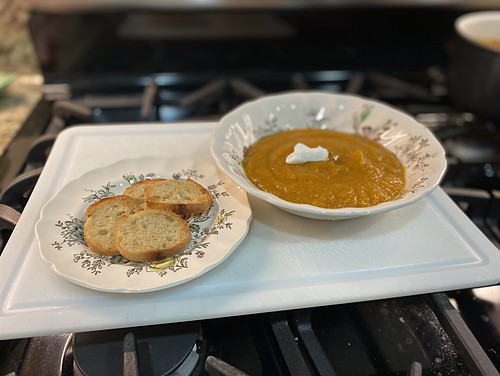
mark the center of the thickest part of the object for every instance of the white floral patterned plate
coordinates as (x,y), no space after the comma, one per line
(416,147)
(215,234)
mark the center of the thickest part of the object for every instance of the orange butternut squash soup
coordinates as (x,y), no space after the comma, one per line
(354,171)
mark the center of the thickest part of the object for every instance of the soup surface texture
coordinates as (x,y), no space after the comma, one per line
(358,172)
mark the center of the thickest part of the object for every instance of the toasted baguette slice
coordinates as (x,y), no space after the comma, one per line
(136,190)
(184,197)
(103,216)
(151,235)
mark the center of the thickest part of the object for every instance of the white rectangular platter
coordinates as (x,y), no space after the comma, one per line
(285,262)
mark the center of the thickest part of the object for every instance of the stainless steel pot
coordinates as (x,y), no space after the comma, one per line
(474,77)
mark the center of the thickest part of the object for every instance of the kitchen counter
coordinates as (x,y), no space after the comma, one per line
(16,103)
(17,57)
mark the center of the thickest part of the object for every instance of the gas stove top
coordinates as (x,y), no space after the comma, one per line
(416,335)
(399,340)
(446,333)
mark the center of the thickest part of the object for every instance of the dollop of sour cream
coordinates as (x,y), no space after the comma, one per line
(303,153)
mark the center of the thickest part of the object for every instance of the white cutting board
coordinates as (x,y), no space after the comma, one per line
(284,262)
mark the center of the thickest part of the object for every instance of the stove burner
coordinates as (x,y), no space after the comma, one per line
(152,350)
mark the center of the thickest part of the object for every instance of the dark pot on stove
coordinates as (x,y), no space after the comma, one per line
(474,77)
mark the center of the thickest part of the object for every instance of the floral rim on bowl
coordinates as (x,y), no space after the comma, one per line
(414,145)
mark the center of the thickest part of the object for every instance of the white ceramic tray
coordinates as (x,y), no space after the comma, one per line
(284,262)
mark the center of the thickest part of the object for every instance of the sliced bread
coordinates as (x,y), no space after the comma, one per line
(184,197)
(136,190)
(103,217)
(151,235)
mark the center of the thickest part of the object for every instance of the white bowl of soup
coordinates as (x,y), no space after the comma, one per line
(328,156)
